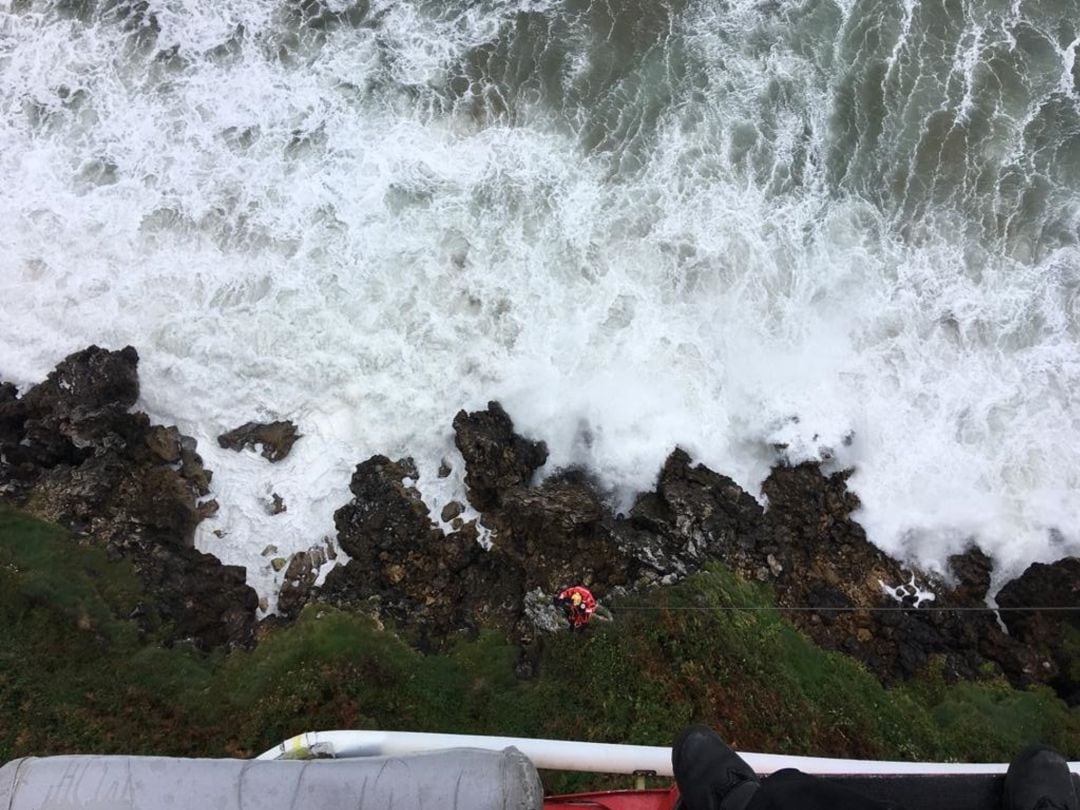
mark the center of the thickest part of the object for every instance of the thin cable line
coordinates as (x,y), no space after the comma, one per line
(898,609)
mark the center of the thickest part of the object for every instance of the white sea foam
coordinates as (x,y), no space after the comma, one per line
(331,238)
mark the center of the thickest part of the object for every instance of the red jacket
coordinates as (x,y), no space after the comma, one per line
(581,613)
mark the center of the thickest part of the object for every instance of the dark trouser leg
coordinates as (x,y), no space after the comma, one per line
(794,790)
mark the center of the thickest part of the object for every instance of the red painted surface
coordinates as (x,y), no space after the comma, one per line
(659,799)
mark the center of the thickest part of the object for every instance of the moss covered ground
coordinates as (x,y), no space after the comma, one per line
(75,676)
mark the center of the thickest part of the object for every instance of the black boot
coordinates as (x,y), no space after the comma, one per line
(710,775)
(1039,779)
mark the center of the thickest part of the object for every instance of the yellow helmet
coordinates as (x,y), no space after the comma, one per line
(576,599)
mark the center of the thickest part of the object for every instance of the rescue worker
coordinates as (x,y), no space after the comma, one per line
(578,603)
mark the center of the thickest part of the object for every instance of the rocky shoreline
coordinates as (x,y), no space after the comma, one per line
(72,452)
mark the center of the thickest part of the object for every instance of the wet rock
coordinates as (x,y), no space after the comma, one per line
(829,562)
(385,513)
(85,382)
(561,532)
(814,554)
(191,466)
(114,493)
(74,454)
(77,407)
(542,613)
(706,510)
(207,509)
(496,458)
(276,438)
(277,563)
(432,585)
(13,415)
(1055,585)
(164,442)
(205,602)
(276,505)
(972,571)
(270,549)
(300,576)
(451,511)
(1047,632)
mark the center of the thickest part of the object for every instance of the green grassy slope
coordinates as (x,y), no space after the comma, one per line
(76,677)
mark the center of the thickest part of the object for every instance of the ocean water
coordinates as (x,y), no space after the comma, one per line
(759,230)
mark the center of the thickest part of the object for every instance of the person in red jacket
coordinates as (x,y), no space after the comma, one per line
(578,603)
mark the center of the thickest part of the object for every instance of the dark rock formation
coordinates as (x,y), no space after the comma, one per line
(72,453)
(202,600)
(830,562)
(430,584)
(1050,632)
(805,545)
(276,438)
(700,514)
(972,571)
(496,458)
(300,576)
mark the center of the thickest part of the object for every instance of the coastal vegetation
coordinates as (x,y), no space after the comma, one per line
(78,674)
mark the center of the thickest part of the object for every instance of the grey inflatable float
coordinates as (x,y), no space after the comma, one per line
(459,779)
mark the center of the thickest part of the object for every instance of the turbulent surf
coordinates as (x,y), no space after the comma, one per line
(763,231)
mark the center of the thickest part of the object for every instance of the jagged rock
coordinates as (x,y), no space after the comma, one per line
(276,505)
(433,585)
(542,613)
(429,583)
(828,562)
(972,571)
(270,549)
(207,509)
(561,532)
(496,458)
(60,420)
(1055,585)
(385,512)
(1042,585)
(12,416)
(86,381)
(277,563)
(451,511)
(119,489)
(205,602)
(164,442)
(276,438)
(73,454)
(300,576)
(709,512)
(191,466)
